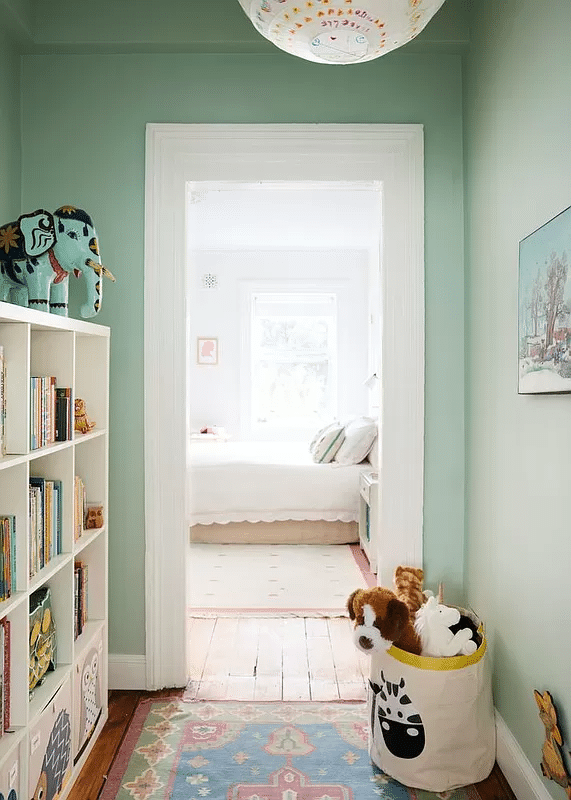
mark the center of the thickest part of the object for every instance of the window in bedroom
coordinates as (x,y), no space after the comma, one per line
(294,358)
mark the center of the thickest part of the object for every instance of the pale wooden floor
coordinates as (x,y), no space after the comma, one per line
(293,658)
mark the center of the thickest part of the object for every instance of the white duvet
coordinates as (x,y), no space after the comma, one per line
(268,481)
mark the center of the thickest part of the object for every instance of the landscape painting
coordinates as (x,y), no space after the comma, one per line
(545,308)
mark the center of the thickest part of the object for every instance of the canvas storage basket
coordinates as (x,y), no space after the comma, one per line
(432,719)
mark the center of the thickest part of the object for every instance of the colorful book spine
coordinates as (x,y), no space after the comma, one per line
(63,413)
(2,403)
(57,520)
(45,522)
(5,624)
(50,412)
(2,681)
(7,556)
(81,571)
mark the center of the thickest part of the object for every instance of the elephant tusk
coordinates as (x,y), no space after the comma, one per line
(100,269)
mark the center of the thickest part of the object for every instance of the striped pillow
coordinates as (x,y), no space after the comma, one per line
(327,442)
(360,435)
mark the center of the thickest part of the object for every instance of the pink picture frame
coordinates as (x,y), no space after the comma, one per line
(207,350)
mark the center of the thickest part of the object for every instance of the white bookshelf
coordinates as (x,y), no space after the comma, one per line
(77,354)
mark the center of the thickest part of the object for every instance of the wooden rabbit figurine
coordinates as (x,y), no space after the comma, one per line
(552,765)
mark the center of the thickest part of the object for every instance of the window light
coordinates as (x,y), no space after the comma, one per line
(294,354)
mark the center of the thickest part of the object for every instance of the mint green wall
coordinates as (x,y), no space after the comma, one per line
(518,176)
(22,10)
(218,26)
(10,147)
(84,144)
(17,19)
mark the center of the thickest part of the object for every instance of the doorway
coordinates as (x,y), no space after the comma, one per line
(179,154)
(283,277)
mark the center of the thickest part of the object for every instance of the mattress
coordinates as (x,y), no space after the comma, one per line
(268,482)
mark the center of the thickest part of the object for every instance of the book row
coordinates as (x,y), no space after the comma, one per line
(2,403)
(51,417)
(5,658)
(45,522)
(79,507)
(7,556)
(80,575)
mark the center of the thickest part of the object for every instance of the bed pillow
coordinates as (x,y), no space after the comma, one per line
(326,442)
(373,456)
(360,435)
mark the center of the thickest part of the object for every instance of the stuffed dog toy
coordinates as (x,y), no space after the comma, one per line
(381,620)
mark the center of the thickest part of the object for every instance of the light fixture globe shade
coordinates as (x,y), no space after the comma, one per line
(340,31)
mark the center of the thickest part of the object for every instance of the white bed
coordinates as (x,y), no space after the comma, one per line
(270,492)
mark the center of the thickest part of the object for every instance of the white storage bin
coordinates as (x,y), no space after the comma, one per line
(10,774)
(432,719)
(87,694)
(50,746)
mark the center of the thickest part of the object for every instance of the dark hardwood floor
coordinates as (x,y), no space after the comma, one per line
(122,706)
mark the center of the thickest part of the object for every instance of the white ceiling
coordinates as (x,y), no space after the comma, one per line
(265,216)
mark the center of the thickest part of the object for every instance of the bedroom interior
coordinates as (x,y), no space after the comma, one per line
(282,278)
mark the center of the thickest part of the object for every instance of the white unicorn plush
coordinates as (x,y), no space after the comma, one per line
(432,621)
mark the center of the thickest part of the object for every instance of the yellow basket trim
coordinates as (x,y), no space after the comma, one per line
(438,664)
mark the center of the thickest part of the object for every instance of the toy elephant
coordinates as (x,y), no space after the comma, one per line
(37,254)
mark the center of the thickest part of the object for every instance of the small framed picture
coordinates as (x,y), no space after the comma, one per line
(206,351)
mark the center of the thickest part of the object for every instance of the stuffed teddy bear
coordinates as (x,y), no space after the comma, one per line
(381,620)
(408,587)
(82,422)
(432,624)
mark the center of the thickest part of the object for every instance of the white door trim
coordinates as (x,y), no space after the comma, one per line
(179,153)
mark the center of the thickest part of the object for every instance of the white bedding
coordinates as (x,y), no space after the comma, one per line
(268,481)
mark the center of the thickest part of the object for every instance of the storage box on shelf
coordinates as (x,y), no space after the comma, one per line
(42,450)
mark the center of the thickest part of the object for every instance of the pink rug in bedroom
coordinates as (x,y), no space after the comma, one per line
(274,580)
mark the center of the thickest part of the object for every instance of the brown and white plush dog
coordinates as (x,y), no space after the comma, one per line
(381,620)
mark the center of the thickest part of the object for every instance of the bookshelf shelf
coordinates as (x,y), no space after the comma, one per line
(40,452)
(86,437)
(87,537)
(47,572)
(11,461)
(11,740)
(48,689)
(45,362)
(7,606)
(89,632)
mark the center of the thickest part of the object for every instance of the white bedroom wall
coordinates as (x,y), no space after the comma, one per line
(216,390)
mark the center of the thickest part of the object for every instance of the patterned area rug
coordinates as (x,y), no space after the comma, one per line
(175,750)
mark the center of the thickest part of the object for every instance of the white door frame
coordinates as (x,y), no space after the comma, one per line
(179,153)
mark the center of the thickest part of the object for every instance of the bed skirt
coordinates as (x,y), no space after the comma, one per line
(280,532)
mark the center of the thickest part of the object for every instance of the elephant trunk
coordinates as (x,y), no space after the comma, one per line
(93,276)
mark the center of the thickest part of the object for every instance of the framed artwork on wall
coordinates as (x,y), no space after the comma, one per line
(206,350)
(544,308)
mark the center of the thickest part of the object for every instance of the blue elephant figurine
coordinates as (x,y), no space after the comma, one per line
(40,250)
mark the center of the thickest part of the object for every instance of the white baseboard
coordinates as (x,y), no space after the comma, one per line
(127,671)
(523,779)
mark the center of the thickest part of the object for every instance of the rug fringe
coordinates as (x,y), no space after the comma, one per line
(310,613)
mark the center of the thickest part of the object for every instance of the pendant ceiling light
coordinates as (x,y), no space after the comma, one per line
(340,31)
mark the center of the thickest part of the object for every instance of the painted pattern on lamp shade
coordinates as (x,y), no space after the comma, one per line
(340,31)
